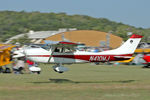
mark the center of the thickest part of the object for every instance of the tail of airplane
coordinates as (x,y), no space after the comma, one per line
(129,46)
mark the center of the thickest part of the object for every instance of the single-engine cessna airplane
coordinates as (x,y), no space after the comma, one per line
(64,53)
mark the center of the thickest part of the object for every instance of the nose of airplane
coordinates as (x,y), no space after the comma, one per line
(18,53)
(36,54)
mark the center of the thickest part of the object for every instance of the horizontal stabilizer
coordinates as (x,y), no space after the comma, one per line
(122,57)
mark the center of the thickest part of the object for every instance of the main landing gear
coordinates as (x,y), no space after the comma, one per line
(147,66)
(59,68)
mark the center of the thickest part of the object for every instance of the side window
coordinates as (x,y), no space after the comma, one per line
(63,50)
(57,50)
(68,50)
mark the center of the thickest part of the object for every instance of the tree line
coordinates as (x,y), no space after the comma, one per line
(13,23)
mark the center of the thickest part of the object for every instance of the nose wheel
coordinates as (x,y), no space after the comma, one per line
(57,71)
(59,68)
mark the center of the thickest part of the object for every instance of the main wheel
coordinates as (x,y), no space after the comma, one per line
(60,72)
(38,72)
(55,70)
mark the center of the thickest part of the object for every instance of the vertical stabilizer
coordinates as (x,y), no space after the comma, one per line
(129,46)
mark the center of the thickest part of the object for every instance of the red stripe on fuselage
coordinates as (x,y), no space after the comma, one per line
(91,58)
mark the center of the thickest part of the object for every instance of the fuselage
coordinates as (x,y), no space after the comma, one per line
(64,53)
(45,56)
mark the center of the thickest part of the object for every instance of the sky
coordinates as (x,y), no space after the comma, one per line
(131,12)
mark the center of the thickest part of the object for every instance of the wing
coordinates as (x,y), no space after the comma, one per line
(63,44)
(6,47)
(60,44)
(5,54)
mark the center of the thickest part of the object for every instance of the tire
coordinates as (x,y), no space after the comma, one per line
(38,72)
(1,70)
(7,70)
(60,72)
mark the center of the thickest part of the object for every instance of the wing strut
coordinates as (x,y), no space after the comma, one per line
(51,55)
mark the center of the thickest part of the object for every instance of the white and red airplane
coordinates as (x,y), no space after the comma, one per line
(64,53)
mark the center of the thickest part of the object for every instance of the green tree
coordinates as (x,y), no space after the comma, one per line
(14,23)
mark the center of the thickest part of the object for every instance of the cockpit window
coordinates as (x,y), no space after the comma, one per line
(46,47)
(63,50)
(68,50)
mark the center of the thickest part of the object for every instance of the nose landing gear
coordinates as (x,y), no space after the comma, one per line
(59,68)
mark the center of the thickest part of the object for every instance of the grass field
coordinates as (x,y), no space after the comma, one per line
(82,82)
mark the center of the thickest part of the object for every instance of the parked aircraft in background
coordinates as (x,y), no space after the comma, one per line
(146,57)
(5,54)
(5,57)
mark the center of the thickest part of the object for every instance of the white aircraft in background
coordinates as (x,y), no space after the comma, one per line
(61,53)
